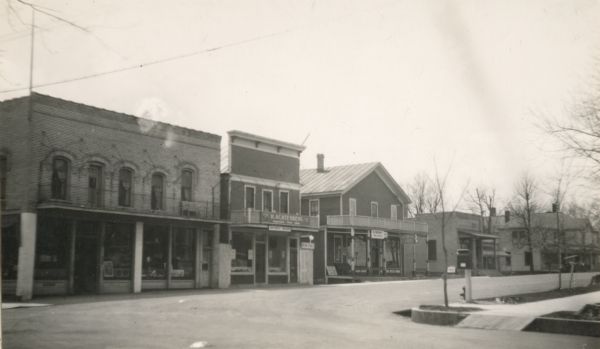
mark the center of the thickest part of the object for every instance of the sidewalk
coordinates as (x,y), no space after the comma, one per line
(517,316)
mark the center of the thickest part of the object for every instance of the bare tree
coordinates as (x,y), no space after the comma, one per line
(441,188)
(524,206)
(483,200)
(558,195)
(417,190)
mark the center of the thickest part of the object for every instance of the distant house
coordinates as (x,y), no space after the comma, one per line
(462,231)
(580,240)
(362,216)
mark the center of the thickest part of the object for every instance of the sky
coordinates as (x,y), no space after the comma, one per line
(414,85)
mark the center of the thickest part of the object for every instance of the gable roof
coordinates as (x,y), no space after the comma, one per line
(340,179)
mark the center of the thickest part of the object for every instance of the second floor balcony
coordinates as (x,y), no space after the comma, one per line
(273,218)
(367,222)
(133,203)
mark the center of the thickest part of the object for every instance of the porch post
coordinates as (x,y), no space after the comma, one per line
(369,253)
(352,254)
(138,257)
(474,253)
(325,253)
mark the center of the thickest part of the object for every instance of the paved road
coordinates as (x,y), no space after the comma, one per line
(344,316)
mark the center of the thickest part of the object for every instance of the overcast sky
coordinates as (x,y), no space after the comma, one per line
(405,83)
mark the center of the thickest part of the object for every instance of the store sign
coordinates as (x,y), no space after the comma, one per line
(451,269)
(284,219)
(307,245)
(278,228)
(378,234)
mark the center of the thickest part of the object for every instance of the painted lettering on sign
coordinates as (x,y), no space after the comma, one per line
(307,245)
(278,228)
(285,219)
(378,234)
(451,269)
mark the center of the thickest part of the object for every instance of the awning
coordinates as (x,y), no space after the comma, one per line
(478,235)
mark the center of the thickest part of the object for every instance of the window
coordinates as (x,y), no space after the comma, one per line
(284,202)
(125,183)
(52,249)
(519,237)
(352,207)
(3,175)
(183,254)
(158,187)
(249,197)
(508,261)
(374,209)
(313,207)
(431,250)
(528,258)
(267,200)
(394,212)
(155,249)
(242,245)
(186,185)
(118,251)
(277,254)
(60,172)
(95,185)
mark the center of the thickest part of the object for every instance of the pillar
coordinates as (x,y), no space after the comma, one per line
(352,253)
(221,261)
(369,254)
(138,257)
(25,268)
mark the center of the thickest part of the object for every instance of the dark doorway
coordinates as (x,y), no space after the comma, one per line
(85,276)
(376,254)
(260,263)
(293,260)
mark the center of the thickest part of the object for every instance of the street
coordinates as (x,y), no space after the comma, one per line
(334,316)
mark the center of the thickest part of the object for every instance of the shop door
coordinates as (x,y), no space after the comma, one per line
(260,262)
(376,255)
(86,262)
(293,260)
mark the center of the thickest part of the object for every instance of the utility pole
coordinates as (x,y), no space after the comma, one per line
(556,208)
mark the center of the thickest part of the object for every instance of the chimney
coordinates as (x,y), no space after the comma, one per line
(320,163)
(506,216)
(492,211)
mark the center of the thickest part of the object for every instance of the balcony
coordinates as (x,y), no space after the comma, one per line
(140,204)
(273,218)
(367,222)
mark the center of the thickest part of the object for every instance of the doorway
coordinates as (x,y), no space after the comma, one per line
(85,278)
(260,257)
(293,261)
(376,254)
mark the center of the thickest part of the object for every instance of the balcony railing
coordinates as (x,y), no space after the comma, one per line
(272,218)
(138,204)
(377,223)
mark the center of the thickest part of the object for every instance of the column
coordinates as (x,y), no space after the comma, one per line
(352,253)
(26,256)
(369,254)
(382,258)
(138,257)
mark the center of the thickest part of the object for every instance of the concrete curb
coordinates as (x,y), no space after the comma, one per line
(564,326)
(437,317)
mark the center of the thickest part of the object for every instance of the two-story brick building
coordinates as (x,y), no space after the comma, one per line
(260,194)
(99,201)
(362,214)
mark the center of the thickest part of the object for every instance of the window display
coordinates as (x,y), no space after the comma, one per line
(277,254)
(52,249)
(242,248)
(118,251)
(155,253)
(183,254)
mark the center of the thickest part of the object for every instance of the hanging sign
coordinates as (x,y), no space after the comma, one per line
(378,234)
(279,228)
(307,245)
(451,269)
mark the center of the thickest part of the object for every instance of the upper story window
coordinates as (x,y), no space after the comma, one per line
(374,209)
(3,175)
(284,202)
(60,177)
(249,198)
(158,191)
(95,185)
(125,184)
(394,212)
(313,207)
(352,207)
(267,200)
(187,177)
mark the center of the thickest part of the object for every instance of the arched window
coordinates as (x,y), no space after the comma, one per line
(158,190)
(95,184)
(186,185)
(125,185)
(60,178)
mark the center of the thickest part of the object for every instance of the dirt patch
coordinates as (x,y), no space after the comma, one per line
(590,312)
(540,296)
(449,309)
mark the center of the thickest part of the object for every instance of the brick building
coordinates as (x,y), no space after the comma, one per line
(98,201)
(362,216)
(260,194)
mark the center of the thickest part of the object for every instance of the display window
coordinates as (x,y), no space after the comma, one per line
(277,254)
(155,252)
(183,254)
(118,251)
(52,249)
(243,253)
(392,253)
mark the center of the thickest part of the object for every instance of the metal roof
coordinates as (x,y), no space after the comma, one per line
(334,179)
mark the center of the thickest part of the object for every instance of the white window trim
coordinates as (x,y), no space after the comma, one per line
(350,201)
(371,208)
(263,199)
(288,201)
(394,209)
(245,201)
